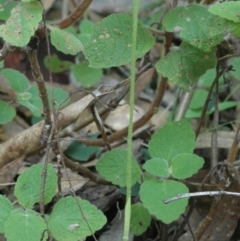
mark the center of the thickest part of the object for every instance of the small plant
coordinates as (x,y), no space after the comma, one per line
(171,149)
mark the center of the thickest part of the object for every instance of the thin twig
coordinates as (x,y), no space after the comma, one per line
(218,75)
(199,194)
(185,103)
(75,15)
(214,140)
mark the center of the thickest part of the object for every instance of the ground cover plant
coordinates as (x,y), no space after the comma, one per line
(181,182)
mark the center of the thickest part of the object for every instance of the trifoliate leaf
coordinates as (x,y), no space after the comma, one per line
(228,10)
(7,113)
(111,40)
(185,165)
(25,225)
(140,219)
(200,28)
(157,166)
(152,194)
(27,189)
(113,167)
(173,139)
(74,219)
(17,80)
(85,75)
(57,65)
(22,23)
(6,207)
(185,65)
(65,41)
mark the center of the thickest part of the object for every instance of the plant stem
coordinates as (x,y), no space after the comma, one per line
(127,213)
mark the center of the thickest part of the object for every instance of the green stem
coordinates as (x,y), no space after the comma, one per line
(127,214)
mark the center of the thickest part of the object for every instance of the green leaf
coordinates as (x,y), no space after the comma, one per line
(193,113)
(110,43)
(85,75)
(113,167)
(27,189)
(140,219)
(22,23)
(6,207)
(198,99)
(86,29)
(81,152)
(174,138)
(25,225)
(17,80)
(57,65)
(228,10)
(152,194)
(65,41)
(200,28)
(157,166)
(185,65)
(185,165)
(71,221)
(35,111)
(7,113)
(234,28)
(6,9)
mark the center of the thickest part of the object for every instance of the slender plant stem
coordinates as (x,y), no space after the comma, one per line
(127,213)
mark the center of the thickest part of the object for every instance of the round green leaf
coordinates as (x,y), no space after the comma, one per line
(185,165)
(157,166)
(154,192)
(228,10)
(22,23)
(65,41)
(185,65)
(7,113)
(174,138)
(113,167)
(25,225)
(200,28)
(140,219)
(27,189)
(85,75)
(74,219)
(6,207)
(111,39)
(17,80)
(86,29)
